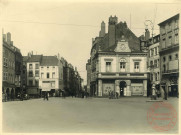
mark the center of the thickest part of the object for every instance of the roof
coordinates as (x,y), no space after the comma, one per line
(25,58)
(49,61)
(35,58)
(175,16)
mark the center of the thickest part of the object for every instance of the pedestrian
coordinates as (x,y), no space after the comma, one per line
(47,95)
(154,93)
(165,94)
(44,95)
(5,96)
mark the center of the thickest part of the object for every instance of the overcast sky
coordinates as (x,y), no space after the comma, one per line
(51,27)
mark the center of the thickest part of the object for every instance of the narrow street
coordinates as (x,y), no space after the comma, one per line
(76,115)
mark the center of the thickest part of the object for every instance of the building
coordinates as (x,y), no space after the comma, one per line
(88,68)
(154,61)
(117,63)
(169,51)
(50,75)
(33,74)
(8,66)
(12,66)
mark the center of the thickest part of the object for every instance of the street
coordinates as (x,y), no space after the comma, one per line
(76,115)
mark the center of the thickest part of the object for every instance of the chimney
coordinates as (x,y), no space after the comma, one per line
(102,32)
(147,34)
(112,30)
(9,38)
(12,43)
(4,37)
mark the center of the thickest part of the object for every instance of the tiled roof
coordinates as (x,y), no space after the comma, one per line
(35,58)
(49,61)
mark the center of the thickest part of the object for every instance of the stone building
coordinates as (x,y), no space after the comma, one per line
(50,75)
(88,68)
(169,55)
(33,74)
(12,66)
(117,64)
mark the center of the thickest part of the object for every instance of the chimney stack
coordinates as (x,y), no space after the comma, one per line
(9,38)
(102,32)
(4,37)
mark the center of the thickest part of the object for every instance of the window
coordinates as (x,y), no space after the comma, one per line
(158,74)
(41,68)
(163,43)
(47,68)
(122,66)
(53,75)
(36,83)
(176,38)
(164,59)
(156,77)
(37,73)
(170,57)
(151,64)
(37,66)
(30,82)
(155,50)
(30,66)
(152,52)
(170,40)
(158,62)
(30,73)
(42,75)
(48,75)
(176,56)
(108,66)
(136,66)
(164,68)
(176,24)
(155,63)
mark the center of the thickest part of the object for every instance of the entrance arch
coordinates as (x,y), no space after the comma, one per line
(122,85)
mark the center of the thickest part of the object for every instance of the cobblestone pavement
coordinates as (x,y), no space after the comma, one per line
(76,115)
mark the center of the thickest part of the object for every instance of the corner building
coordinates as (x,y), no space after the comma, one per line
(117,64)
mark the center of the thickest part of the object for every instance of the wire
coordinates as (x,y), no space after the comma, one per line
(52,23)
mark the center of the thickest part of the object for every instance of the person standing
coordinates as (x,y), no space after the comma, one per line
(47,94)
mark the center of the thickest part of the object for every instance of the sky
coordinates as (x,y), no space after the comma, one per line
(50,27)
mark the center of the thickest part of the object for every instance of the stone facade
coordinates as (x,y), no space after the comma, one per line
(169,55)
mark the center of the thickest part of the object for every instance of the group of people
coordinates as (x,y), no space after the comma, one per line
(113,95)
(156,93)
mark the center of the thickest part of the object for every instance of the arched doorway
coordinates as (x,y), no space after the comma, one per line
(122,85)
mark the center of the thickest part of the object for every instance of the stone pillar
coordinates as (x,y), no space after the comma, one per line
(99,87)
(144,87)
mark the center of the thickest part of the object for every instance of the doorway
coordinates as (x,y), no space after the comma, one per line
(122,85)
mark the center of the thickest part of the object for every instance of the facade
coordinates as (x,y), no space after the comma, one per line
(8,66)
(49,75)
(154,62)
(169,51)
(117,64)
(88,68)
(33,74)
(12,66)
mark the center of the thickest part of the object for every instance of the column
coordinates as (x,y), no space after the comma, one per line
(99,87)
(144,87)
